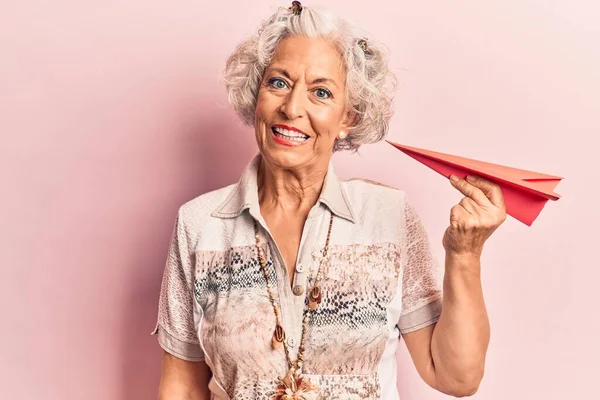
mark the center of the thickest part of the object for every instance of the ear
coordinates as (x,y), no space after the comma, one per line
(350,119)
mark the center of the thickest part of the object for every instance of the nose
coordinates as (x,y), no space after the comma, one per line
(293,105)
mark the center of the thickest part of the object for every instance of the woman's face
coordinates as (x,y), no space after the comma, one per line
(301,103)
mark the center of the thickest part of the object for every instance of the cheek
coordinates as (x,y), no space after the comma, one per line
(266,106)
(326,121)
(259,110)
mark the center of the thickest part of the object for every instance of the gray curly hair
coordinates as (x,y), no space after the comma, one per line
(370,85)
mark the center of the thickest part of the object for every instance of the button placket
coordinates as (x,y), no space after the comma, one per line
(300,283)
(292,302)
(285,303)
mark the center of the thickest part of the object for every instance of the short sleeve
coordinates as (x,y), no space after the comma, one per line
(421,275)
(175,325)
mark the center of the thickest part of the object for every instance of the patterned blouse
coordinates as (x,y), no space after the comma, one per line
(380,280)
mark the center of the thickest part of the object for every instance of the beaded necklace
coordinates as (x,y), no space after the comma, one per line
(293,386)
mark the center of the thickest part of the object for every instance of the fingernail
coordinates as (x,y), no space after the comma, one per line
(454,178)
(471,178)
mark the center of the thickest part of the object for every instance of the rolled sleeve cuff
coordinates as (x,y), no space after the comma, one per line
(421,317)
(180,349)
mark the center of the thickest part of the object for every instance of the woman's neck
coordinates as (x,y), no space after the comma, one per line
(289,192)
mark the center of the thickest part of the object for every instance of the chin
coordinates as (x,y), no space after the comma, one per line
(284,158)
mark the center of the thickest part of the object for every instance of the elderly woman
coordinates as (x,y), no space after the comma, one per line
(293,284)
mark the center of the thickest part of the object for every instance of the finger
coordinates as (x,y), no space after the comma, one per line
(455,215)
(469,190)
(491,190)
(469,204)
(460,218)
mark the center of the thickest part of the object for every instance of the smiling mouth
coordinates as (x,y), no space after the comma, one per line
(288,135)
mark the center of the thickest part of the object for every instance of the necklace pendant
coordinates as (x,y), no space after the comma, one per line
(314,298)
(278,337)
(294,386)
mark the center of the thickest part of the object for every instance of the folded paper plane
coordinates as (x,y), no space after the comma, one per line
(525,192)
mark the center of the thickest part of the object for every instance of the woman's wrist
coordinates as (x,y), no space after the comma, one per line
(463,263)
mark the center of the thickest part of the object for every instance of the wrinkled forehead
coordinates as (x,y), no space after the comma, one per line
(307,58)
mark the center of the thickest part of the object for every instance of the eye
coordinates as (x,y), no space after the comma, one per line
(323,93)
(277,83)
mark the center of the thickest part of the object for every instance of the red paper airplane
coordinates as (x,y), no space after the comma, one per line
(525,192)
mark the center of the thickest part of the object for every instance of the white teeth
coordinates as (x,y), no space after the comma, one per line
(295,136)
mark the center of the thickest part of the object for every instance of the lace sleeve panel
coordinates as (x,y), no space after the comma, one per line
(175,324)
(421,275)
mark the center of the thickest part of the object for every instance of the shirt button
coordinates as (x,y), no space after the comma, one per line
(291,342)
(300,268)
(298,290)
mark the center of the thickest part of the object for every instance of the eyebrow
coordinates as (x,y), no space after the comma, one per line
(285,73)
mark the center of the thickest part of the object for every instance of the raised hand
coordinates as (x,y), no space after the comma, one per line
(475,217)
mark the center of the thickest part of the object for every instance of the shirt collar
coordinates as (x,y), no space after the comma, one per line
(245,195)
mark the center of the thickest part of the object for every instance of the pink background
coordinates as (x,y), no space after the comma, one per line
(112,116)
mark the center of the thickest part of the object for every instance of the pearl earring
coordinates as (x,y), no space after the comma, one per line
(342,135)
